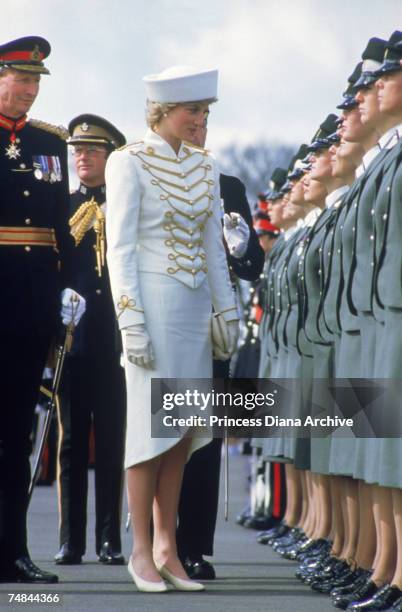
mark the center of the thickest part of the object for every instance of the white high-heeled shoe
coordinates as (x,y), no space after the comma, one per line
(146,585)
(179,583)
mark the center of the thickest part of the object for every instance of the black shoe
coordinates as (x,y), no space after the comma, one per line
(381,600)
(317,561)
(360,577)
(259,522)
(361,593)
(280,532)
(311,547)
(24,570)
(397,607)
(109,556)
(67,556)
(266,535)
(312,568)
(327,586)
(244,515)
(199,569)
(333,569)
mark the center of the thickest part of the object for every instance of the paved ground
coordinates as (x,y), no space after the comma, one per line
(250,576)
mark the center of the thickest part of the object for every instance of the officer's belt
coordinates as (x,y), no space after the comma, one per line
(32,236)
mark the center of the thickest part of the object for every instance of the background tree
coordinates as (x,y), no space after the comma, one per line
(254,164)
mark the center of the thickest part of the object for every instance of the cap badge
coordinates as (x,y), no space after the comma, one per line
(85,127)
(35,55)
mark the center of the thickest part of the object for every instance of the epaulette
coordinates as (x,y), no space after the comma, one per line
(130,144)
(58,130)
(193,146)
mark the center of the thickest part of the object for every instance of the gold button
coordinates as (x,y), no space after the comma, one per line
(182,175)
(192,217)
(192,257)
(191,201)
(23,166)
(26,193)
(98,291)
(27,221)
(190,245)
(193,271)
(186,188)
(27,248)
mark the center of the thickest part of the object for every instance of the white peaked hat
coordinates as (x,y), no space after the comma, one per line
(181,84)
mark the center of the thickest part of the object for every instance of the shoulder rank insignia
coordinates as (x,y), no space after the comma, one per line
(58,130)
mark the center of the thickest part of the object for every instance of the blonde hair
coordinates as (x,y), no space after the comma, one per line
(156,110)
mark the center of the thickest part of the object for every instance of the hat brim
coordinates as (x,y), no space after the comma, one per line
(296,174)
(317,145)
(34,68)
(89,140)
(388,66)
(348,103)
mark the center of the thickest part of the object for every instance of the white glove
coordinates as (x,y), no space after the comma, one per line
(223,350)
(138,346)
(237,234)
(73,306)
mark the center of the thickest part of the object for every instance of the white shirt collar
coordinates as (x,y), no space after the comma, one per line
(289,232)
(399,130)
(387,140)
(312,217)
(336,195)
(367,159)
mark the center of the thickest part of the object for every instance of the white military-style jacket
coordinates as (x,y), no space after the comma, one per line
(163,216)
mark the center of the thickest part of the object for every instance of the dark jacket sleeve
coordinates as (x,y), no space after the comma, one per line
(233,194)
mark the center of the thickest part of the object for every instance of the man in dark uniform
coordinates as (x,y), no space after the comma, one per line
(94,387)
(35,249)
(198,504)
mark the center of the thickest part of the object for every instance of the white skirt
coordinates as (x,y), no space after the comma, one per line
(177,319)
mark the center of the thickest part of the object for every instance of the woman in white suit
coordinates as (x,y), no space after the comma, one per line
(167,268)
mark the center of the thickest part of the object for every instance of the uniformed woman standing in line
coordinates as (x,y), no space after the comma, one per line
(167,268)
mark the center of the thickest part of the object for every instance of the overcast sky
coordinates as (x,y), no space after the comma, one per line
(283,63)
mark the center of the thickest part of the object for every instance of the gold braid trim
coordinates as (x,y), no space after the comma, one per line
(90,214)
(58,130)
(130,144)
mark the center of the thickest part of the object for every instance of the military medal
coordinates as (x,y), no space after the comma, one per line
(45,167)
(57,167)
(52,173)
(12,151)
